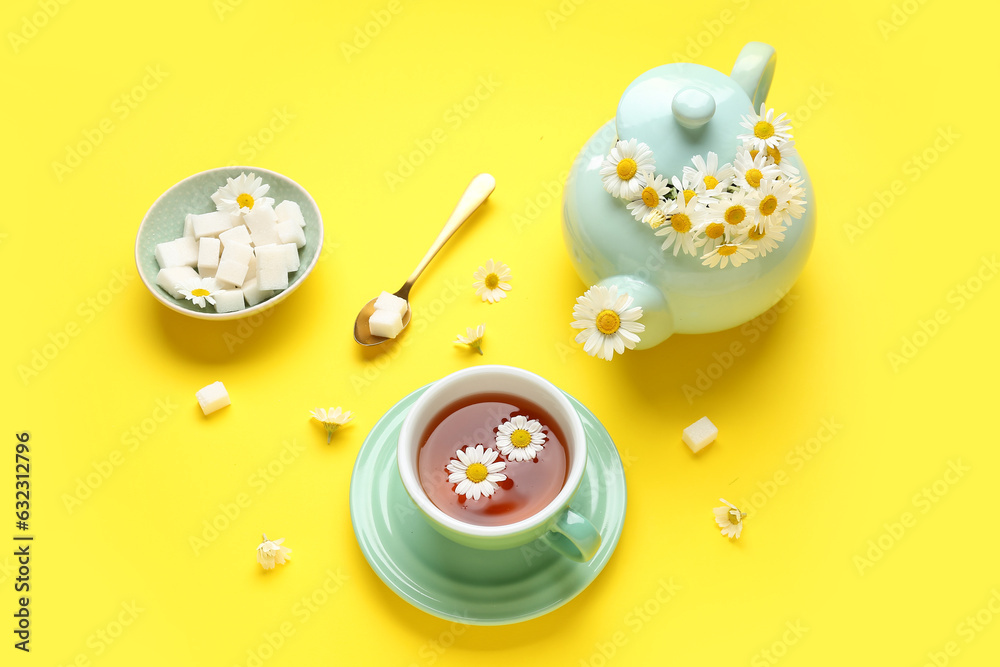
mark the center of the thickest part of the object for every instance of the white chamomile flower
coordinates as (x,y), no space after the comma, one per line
(729,518)
(764,129)
(271,553)
(766,237)
(491,281)
(796,204)
(692,190)
(777,155)
(476,472)
(656,218)
(520,439)
(652,193)
(735,252)
(609,324)
(731,209)
(200,290)
(768,204)
(473,338)
(715,234)
(622,167)
(711,177)
(752,170)
(684,225)
(331,419)
(240,194)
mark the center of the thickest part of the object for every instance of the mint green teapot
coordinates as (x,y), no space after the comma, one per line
(679,111)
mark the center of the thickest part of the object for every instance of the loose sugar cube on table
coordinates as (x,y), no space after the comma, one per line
(290,232)
(211,224)
(238,235)
(391,303)
(229,300)
(175,279)
(290,211)
(700,434)
(253,294)
(263,224)
(212,397)
(208,255)
(179,252)
(385,324)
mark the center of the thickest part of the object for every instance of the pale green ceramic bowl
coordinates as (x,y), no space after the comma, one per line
(164,221)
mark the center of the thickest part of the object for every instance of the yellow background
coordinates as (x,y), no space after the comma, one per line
(865,99)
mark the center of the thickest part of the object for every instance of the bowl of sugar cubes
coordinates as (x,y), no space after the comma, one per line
(228,242)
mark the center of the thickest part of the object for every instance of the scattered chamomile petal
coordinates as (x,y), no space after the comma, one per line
(491,281)
(473,338)
(272,552)
(331,419)
(729,518)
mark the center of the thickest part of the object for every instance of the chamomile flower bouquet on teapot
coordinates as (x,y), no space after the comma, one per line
(690,211)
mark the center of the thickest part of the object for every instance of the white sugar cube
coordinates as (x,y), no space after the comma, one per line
(271,278)
(385,323)
(700,434)
(211,224)
(237,235)
(231,274)
(229,300)
(290,211)
(391,303)
(253,294)
(175,278)
(291,252)
(238,252)
(290,232)
(263,224)
(189,226)
(212,397)
(179,252)
(208,255)
(252,266)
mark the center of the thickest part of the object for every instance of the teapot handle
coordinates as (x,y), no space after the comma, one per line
(753,71)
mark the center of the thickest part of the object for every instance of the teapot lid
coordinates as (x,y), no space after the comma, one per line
(681,110)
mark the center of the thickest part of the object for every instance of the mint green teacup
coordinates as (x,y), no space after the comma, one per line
(567,532)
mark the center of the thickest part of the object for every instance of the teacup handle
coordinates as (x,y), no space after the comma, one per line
(753,71)
(573,536)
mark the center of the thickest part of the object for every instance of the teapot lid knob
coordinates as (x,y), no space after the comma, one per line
(692,107)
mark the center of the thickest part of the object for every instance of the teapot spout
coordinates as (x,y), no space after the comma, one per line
(753,71)
(656,315)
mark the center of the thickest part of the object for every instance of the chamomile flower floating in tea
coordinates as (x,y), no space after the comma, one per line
(609,324)
(200,290)
(652,195)
(734,253)
(622,168)
(520,439)
(473,338)
(476,472)
(730,519)
(764,129)
(331,419)
(491,281)
(240,194)
(272,552)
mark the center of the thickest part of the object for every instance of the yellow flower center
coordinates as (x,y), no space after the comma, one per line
(244,201)
(753,153)
(768,204)
(608,322)
(687,195)
(735,517)
(735,214)
(726,250)
(200,292)
(774,154)
(763,130)
(649,197)
(520,438)
(715,230)
(476,472)
(710,182)
(491,281)
(680,222)
(756,233)
(627,169)
(753,177)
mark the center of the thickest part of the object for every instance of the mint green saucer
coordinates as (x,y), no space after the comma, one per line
(467,585)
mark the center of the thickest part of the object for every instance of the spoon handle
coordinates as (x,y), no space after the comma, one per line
(477,192)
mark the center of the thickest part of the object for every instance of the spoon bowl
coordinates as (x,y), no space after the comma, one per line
(478,191)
